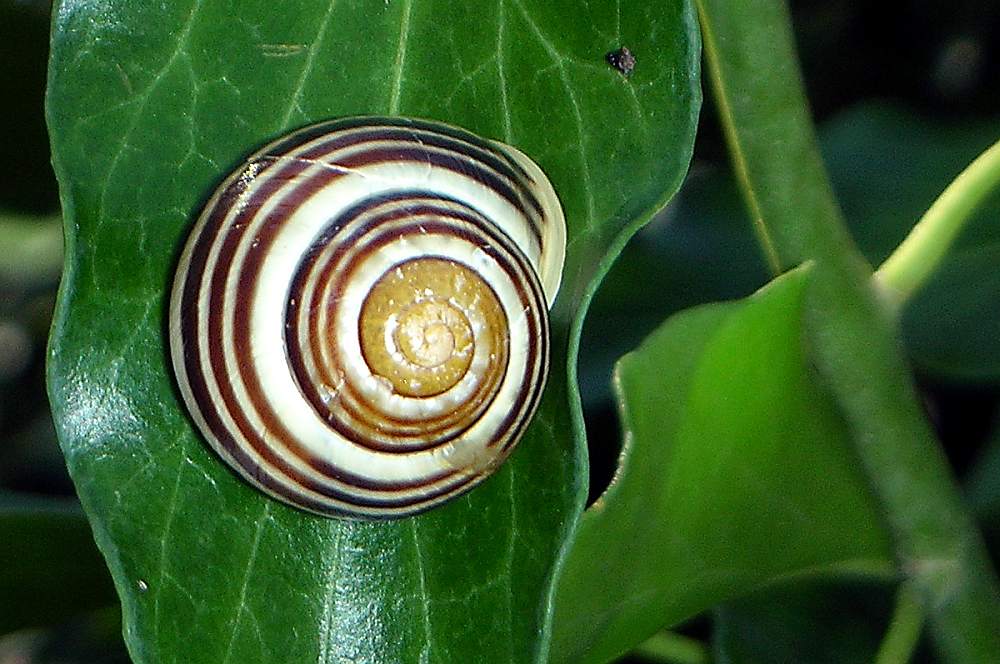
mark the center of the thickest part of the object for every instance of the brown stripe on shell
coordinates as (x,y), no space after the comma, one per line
(513,264)
(275,172)
(271,421)
(466,168)
(483,158)
(351,237)
(229,241)
(371,244)
(353,402)
(198,386)
(337,127)
(502,165)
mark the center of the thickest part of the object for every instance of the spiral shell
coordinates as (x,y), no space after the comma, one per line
(359,319)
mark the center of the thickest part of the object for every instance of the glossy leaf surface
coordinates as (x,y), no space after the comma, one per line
(737,469)
(149,107)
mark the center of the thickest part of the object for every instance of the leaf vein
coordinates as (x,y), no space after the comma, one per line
(502,75)
(512,493)
(251,560)
(329,597)
(397,80)
(559,62)
(422,578)
(164,538)
(295,104)
(144,96)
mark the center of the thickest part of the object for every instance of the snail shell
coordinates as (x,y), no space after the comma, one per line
(359,319)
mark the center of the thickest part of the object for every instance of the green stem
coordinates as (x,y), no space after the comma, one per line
(736,153)
(671,648)
(913,261)
(852,341)
(903,634)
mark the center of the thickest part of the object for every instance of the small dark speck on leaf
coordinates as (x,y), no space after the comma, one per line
(623,60)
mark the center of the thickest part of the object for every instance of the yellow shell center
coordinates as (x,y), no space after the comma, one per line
(422,321)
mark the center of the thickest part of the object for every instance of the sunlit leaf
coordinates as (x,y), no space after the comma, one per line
(737,469)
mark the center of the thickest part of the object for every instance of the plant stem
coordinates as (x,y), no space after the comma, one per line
(904,631)
(916,258)
(672,648)
(853,342)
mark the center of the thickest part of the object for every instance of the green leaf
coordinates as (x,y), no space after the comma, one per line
(697,249)
(49,567)
(737,469)
(670,648)
(149,107)
(754,71)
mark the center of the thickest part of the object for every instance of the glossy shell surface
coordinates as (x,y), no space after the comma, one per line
(359,318)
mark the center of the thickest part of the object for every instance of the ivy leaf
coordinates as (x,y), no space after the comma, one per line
(150,105)
(737,469)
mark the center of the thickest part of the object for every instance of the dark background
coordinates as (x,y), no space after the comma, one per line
(932,65)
